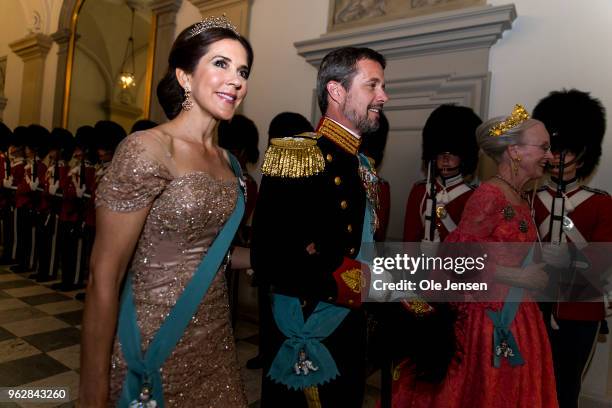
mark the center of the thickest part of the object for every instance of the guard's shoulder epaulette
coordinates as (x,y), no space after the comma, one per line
(293,157)
(420,182)
(595,190)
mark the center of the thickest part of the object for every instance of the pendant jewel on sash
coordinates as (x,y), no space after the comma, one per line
(145,399)
(441,211)
(508,212)
(504,350)
(369,179)
(303,365)
(523,226)
(568,224)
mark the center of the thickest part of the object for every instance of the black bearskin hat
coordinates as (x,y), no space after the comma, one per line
(5,136)
(108,134)
(287,124)
(452,128)
(240,136)
(37,138)
(576,123)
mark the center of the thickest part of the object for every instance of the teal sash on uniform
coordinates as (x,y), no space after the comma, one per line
(502,319)
(307,336)
(146,369)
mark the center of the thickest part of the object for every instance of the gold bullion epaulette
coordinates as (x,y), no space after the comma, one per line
(595,190)
(294,157)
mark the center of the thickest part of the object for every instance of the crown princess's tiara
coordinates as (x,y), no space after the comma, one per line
(518,116)
(212,22)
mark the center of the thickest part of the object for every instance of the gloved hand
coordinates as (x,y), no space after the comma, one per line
(429,248)
(557,256)
(8,182)
(80,190)
(53,187)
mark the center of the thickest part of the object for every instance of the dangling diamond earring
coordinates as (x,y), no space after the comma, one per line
(515,165)
(187,103)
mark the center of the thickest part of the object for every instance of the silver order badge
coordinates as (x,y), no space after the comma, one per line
(568,224)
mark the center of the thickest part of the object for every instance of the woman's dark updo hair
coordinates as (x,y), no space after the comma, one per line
(185,54)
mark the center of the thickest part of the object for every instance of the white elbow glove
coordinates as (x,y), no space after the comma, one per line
(429,248)
(557,256)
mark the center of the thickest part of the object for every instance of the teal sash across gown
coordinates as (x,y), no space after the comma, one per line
(145,369)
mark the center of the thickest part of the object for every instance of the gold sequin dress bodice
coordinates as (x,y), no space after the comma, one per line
(186,213)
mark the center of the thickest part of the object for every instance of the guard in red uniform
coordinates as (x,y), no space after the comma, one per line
(49,207)
(25,178)
(6,195)
(567,212)
(68,228)
(450,153)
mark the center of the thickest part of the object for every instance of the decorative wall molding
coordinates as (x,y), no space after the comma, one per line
(477,27)
(32,46)
(428,92)
(33,50)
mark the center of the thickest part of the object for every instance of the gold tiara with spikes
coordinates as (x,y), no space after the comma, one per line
(213,22)
(518,116)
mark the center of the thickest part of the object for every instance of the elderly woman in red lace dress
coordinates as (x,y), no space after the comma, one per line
(481,376)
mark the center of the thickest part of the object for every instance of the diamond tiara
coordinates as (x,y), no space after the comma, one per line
(518,116)
(213,22)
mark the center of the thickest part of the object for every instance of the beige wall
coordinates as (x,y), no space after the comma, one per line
(556,44)
(281,80)
(13,23)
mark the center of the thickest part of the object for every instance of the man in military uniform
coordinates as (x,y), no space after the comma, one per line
(315,208)
(570,214)
(449,146)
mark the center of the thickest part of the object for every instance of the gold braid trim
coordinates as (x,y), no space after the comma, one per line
(339,135)
(293,158)
(312,396)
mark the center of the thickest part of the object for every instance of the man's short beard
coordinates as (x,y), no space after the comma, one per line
(363,124)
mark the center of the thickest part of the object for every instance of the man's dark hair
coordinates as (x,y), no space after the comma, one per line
(341,65)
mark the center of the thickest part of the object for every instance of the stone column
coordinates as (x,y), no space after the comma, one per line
(62,39)
(164,13)
(33,50)
(235,10)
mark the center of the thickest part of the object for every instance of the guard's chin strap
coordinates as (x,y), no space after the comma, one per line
(456,168)
(569,163)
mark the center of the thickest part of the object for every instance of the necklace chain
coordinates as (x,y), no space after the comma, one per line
(520,193)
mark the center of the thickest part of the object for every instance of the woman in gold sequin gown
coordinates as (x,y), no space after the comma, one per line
(166,195)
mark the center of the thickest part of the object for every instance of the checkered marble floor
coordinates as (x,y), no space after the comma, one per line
(40,336)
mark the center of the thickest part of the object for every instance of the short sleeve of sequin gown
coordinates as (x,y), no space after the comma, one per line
(186,213)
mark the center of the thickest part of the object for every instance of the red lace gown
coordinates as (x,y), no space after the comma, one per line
(472,380)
